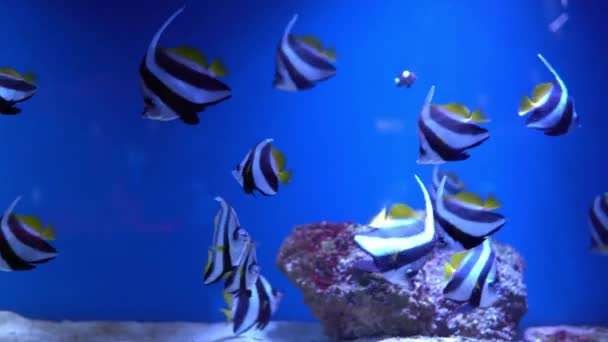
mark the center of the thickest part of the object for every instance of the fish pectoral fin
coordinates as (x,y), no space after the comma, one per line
(525,106)
(331,54)
(192,54)
(218,68)
(456,259)
(279,159)
(492,202)
(540,91)
(448,270)
(49,232)
(285,176)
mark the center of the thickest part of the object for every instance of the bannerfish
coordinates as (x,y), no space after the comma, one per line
(246,273)
(551,106)
(464,220)
(178,82)
(262,169)
(598,216)
(301,61)
(472,278)
(229,241)
(405,79)
(24,243)
(453,183)
(252,308)
(15,88)
(446,132)
(398,258)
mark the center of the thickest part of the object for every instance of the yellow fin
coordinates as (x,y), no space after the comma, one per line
(208,261)
(312,41)
(331,54)
(540,91)
(11,72)
(192,54)
(449,270)
(379,218)
(29,77)
(479,116)
(401,210)
(279,159)
(285,176)
(32,222)
(468,197)
(458,109)
(218,68)
(48,232)
(227,298)
(525,106)
(228,314)
(456,259)
(492,202)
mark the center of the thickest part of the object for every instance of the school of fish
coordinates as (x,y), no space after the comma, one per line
(178,83)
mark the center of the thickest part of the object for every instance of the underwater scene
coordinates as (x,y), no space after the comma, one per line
(304,171)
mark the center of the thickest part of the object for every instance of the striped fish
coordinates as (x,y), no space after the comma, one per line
(246,273)
(453,184)
(551,108)
(178,83)
(23,242)
(399,252)
(15,88)
(464,220)
(262,169)
(301,61)
(229,241)
(446,132)
(472,277)
(598,217)
(400,215)
(253,308)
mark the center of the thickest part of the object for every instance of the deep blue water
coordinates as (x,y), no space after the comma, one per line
(132,199)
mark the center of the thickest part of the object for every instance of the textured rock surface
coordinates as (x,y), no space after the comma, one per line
(15,328)
(319,258)
(566,333)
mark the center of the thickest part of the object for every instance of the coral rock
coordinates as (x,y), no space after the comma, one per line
(319,259)
(566,333)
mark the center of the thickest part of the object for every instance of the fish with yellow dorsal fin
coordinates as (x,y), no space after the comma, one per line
(227,312)
(177,83)
(464,220)
(447,132)
(301,61)
(26,241)
(453,184)
(399,251)
(15,88)
(598,224)
(228,244)
(253,309)
(262,169)
(551,108)
(471,276)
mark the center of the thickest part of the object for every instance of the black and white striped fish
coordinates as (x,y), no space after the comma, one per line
(178,83)
(229,241)
(598,217)
(446,132)
(253,308)
(262,169)
(551,106)
(15,88)
(472,278)
(301,61)
(464,220)
(453,183)
(246,273)
(399,252)
(23,242)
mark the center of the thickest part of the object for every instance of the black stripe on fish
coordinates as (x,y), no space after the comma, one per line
(178,104)
(16,84)
(266,167)
(264,312)
(386,263)
(565,122)
(467,241)
(227,264)
(244,297)
(477,293)
(263,150)
(464,269)
(12,260)
(299,80)
(170,63)
(27,238)
(598,227)
(552,102)
(443,150)
(309,57)
(445,119)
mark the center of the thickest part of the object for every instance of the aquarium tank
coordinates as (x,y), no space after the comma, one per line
(304,171)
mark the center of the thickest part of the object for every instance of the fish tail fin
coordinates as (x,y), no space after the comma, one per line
(49,232)
(30,77)
(479,116)
(331,54)
(218,68)
(525,106)
(285,176)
